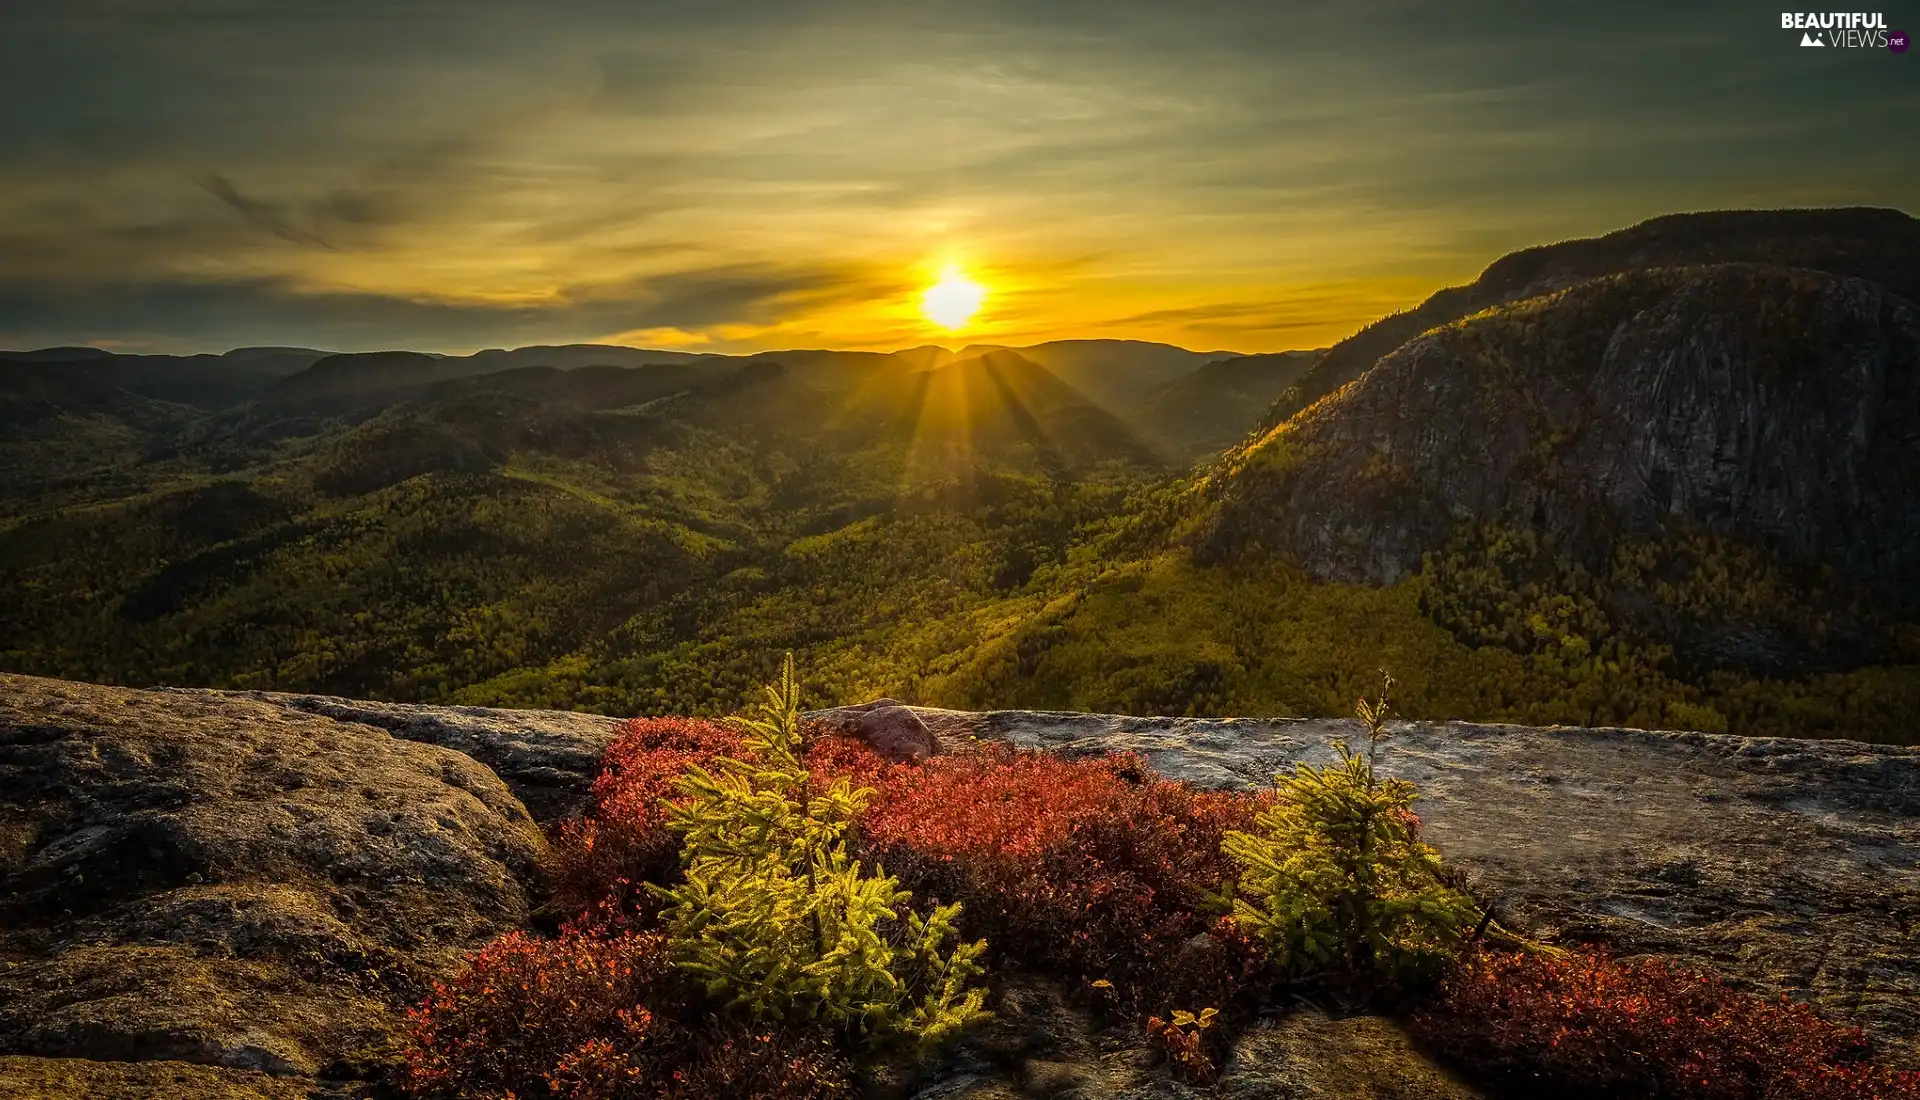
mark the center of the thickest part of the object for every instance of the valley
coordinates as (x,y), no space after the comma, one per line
(1663,478)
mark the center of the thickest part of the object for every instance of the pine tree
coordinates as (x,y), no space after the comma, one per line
(1337,877)
(781,922)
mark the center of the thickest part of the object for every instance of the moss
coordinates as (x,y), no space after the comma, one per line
(25,1078)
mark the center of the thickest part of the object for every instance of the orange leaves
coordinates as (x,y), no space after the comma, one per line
(1181,1041)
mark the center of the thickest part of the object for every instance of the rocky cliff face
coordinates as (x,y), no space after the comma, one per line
(1879,246)
(214,894)
(1775,408)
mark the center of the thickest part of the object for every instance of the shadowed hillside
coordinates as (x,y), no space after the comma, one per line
(1198,415)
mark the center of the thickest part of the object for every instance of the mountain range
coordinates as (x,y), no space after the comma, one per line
(1665,477)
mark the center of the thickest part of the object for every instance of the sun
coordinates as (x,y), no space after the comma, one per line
(952,302)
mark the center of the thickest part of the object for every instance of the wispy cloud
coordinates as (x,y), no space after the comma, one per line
(259,213)
(744,173)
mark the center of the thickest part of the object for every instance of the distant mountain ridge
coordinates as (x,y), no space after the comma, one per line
(1663,478)
(1135,381)
(1108,370)
(1717,454)
(1204,412)
(1879,245)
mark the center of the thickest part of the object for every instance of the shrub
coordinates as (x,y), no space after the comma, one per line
(603,860)
(496,1027)
(1181,1040)
(1090,868)
(1589,1027)
(623,841)
(592,1017)
(779,921)
(1337,877)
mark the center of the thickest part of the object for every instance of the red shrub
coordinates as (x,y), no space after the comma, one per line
(1591,1027)
(1091,868)
(623,839)
(832,756)
(590,1017)
(495,1026)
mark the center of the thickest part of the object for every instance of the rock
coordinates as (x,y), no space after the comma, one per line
(546,757)
(870,705)
(1792,866)
(222,894)
(216,879)
(1775,407)
(1876,245)
(1039,1045)
(47,1078)
(892,730)
(1309,1056)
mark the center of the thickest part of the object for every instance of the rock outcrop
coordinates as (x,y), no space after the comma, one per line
(893,731)
(1793,866)
(1776,407)
(255,885)
(1877,245)
(227,894)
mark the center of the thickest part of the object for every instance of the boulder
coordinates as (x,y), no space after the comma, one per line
(216,879)
(547,758)
(1039,1044)
(895,732)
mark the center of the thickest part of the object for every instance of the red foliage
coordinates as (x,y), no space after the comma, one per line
(495,1025)
(597,1017)
(1091,867)
(831,756)
(1591,1027)
(623,840)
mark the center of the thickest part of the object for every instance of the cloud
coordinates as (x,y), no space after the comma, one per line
(451,175)
(195,315)
(259,213)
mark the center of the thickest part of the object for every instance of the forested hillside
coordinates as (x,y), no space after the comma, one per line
(1667,480)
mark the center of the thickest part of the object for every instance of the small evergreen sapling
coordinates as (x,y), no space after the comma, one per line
(779,920)
(1336,877)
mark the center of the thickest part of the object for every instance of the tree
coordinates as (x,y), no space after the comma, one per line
(779,920)
(1336,875)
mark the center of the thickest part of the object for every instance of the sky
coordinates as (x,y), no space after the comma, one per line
(449,175)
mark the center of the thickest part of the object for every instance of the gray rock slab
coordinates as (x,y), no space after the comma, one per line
(1790,865)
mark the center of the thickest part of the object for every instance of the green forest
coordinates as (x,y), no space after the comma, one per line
(512,540)
(1047,527)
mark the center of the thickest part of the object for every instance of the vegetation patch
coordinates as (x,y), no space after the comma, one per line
(1590,1027)
(764,908)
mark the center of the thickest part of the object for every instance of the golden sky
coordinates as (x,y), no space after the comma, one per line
(201,174)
